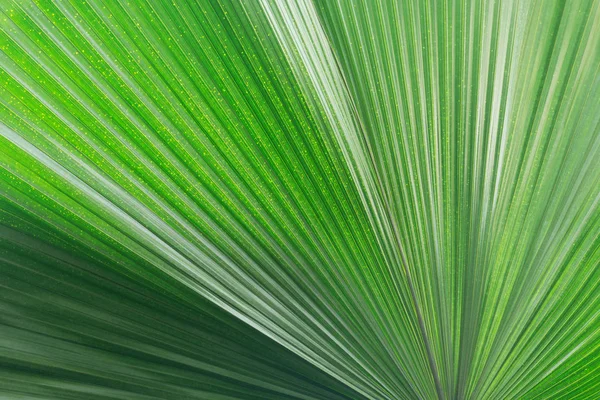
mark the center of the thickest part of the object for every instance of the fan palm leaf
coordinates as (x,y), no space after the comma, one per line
(297,199)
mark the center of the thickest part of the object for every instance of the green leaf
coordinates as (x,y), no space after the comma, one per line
(262,199)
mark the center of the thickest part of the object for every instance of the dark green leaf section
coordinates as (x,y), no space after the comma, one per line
(300,199)
(72,328)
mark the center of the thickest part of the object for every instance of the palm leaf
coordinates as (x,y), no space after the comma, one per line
(297,199)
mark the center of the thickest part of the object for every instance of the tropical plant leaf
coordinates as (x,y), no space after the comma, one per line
(297,199)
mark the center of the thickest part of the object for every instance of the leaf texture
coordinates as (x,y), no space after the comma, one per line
(263,199)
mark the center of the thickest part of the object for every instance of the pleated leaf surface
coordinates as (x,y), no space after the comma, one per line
(256,199)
